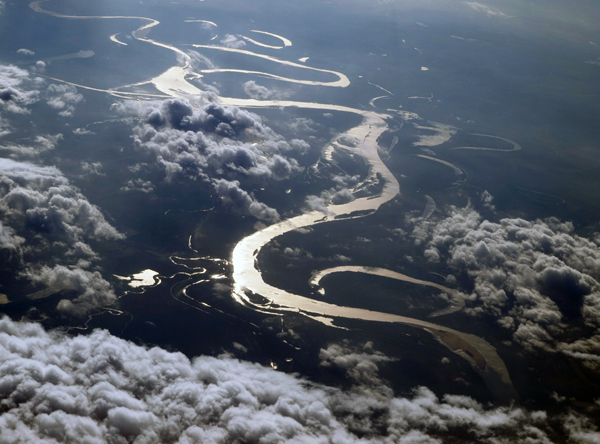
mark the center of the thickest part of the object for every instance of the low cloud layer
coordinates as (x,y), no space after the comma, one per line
(63,97)
(233,196)
(18,89)
(225,146)
(536,278)
(361,366)
(338,195)
(102,389)
(41,144)
(46,228)
(259,92)
(25,51)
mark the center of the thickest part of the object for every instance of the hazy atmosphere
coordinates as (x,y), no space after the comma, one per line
(310,222)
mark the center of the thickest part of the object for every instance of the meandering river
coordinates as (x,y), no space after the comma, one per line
(246,275)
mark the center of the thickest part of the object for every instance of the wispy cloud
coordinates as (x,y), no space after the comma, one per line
(484,9)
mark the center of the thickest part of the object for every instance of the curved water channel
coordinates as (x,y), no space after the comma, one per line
(246,274)
(285,41)
(457,303)
(515,145)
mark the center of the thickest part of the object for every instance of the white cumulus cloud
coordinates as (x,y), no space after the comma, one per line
(101,389)
(537,278)
(47,226)
(225,146)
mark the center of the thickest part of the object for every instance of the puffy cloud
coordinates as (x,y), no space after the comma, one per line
(182,115)
(83,132)
(224,146)
(18,89)
(339,194)
(145,186)
(534,277)
(9,240)
(93,169)
(348,140)
(300,254)
(93,291)
(47,226)
(581,429)
(25,51)
(297,253)
(360,365)
(342,196)
(212,141)
(5,127)
(33,195)
(487,199)
(42,144)
(99,388)
(316,203)
(39,66)
(303,125)
(63,97)
(333,196)
(233,195)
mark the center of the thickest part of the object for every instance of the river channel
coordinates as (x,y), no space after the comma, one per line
(246,274)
